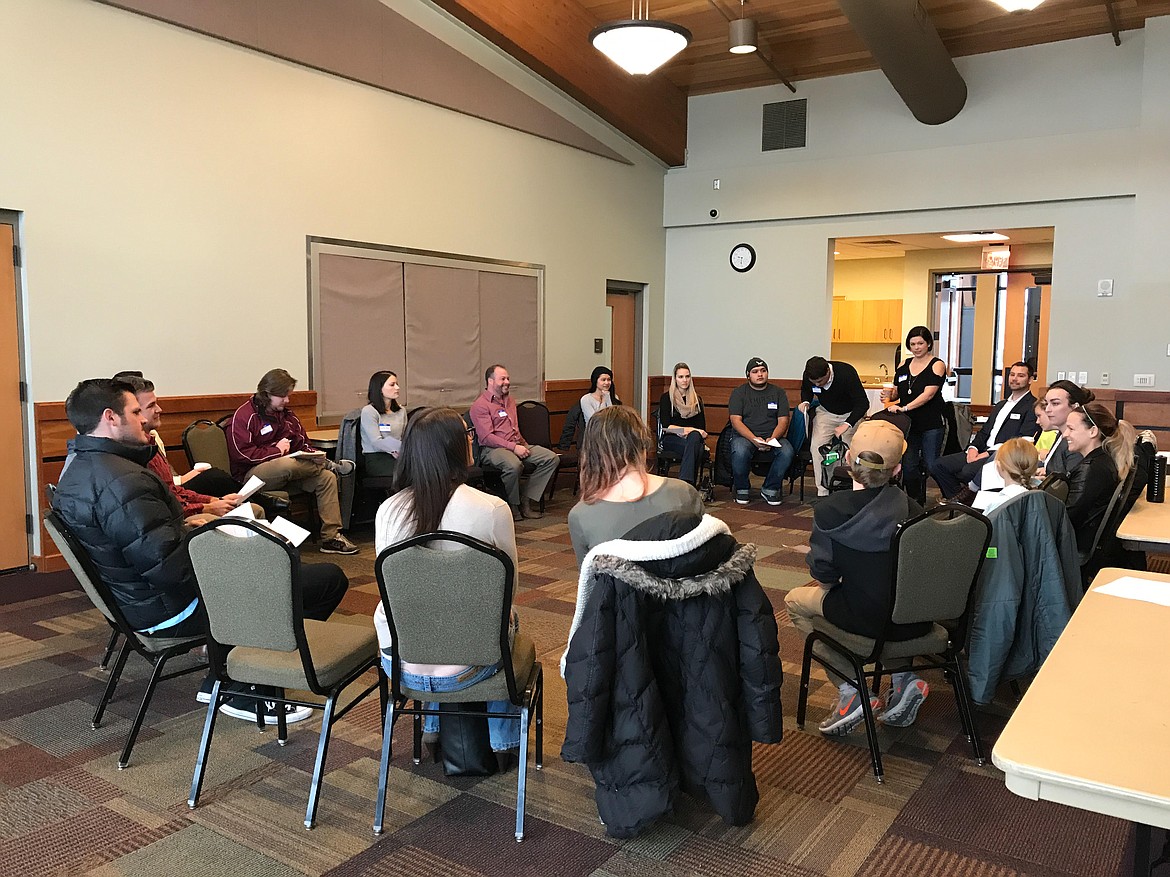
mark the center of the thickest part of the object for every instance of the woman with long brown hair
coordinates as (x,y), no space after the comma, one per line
(1106,448)
(431,496)
(617,492)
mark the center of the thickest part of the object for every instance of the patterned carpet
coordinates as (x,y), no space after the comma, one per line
(66,809)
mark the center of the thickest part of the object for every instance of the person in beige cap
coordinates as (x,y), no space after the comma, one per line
(849,557)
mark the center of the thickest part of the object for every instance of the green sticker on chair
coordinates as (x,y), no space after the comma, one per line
(992,553)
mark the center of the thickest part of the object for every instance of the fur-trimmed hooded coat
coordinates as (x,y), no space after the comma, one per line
(672,670)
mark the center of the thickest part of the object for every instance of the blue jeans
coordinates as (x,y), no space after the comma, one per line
(922,451)
(744,451)
(504,733)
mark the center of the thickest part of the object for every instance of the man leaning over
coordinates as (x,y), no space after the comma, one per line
(267,440)
(831,393)
(503,448)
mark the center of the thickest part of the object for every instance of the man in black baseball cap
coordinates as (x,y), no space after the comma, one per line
(759,415)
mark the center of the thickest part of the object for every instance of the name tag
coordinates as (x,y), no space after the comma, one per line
(816,391)
(1014,417)
(903,377)
(385,427)
(265,429)
(772,406)
(503,414)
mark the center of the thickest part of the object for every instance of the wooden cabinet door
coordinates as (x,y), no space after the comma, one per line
(852,324)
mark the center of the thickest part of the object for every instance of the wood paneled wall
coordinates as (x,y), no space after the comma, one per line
(52,430)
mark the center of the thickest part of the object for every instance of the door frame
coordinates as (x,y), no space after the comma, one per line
(638,291)
(32,505)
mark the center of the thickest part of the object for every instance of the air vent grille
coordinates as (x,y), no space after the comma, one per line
(785,125)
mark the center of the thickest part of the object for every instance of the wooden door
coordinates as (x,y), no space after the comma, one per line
(624,317)
(13,472)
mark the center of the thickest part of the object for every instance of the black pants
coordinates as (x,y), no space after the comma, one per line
(690,449)
(213,482)
(323,585)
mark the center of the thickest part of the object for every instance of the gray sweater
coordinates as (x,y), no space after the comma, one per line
(603,520)
(382,433)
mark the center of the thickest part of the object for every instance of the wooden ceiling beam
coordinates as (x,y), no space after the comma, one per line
(551,37)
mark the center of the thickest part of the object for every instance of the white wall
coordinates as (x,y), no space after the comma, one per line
(1075,135)
(167,183)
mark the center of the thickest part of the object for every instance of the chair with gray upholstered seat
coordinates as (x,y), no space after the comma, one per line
(155,649)
(936,560)
(250,582)
(454,607)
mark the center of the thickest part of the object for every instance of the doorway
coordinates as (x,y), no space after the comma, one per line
(14,503)
(624,301)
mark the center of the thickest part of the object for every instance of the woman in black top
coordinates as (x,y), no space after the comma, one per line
(917,392)
(1106,445)
(683,423)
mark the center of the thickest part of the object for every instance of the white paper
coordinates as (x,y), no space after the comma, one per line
(248,489)
(290,531)
(307,454)
(243,511)
(773,443)
(1133,588)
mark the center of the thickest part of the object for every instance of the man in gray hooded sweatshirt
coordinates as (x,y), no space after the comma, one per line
(849,557)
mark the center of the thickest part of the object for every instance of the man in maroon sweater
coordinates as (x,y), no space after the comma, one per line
(267,440)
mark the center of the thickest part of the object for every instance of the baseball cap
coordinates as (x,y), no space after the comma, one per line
(880,437)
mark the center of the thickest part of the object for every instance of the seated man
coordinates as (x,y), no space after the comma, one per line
(832,395)
(849,557)
(759,415)
(267,440)
(132,528)
(1013,417)
(198,508)
(504,449)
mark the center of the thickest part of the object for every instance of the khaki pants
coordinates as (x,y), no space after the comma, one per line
(823,424)
(803,605)
(305,476)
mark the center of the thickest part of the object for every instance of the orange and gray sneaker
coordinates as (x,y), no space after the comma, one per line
(848,713)
(907,692)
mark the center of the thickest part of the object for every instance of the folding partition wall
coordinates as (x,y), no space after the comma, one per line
(436,320)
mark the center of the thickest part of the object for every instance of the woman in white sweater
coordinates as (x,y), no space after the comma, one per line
(383,425)
(432,496)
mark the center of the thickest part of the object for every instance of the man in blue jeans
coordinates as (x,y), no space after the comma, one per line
(759,415)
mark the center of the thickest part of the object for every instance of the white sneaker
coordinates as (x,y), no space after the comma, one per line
(244,707)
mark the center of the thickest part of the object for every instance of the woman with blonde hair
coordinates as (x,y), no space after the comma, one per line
(1016,461)
(1106,448)
(617,492)
(682,422)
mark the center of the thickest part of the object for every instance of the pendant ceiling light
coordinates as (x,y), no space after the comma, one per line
(640,45)
(1019,5)
(741,34)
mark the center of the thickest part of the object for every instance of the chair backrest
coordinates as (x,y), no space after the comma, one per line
(474,435)
(533,420)
(206,442)
(571,432)
(447,605)
(1055,483)
(937,557)
(82,567)
(1112,517)
(249,584)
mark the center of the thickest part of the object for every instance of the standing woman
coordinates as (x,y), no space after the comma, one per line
(917,391)
(601,393)
(1106,448)
(383,425)
(431,496)
(683,423)
(617,493)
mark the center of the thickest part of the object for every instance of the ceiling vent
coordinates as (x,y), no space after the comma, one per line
(883,243)
(785,125)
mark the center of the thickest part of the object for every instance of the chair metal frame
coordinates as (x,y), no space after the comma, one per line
(528,696)
(85,570)
(217,654)
(949,661)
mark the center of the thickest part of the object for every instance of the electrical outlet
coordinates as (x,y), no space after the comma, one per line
(1082,378)
(1060,376)
(1143,380)
(1104,379)
(715,184)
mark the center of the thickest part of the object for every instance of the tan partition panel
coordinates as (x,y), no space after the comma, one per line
(509,316)
(362,329)
(442,335)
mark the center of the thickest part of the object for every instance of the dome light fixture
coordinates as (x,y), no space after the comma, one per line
(640,45)
(741,34)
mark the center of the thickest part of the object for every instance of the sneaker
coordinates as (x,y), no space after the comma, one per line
(338,545)
(772,497)
(340,467)
(847,714)
(743,497)
(204,695)
(904,703)
(241,707)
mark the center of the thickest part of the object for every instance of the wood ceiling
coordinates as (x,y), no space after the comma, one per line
(799,39)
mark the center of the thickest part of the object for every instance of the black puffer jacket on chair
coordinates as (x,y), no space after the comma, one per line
(672,670)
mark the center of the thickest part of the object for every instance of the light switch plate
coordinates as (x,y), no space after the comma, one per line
(1060,376)
(1082,378)
(1143,380)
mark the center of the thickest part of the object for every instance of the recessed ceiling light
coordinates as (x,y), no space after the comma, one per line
(974,237)
(1019,5)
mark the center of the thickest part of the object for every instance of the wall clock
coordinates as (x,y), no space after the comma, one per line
(743,257)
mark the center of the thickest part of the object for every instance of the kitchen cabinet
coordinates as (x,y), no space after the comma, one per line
(867,321)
